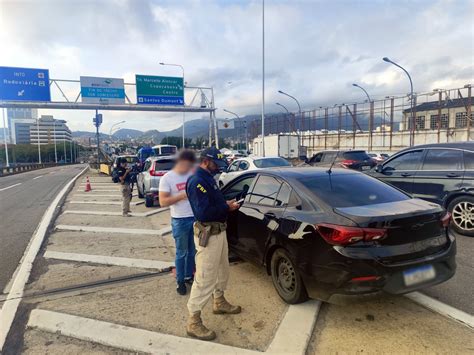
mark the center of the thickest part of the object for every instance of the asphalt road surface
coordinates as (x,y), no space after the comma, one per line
(23,200)
(458,291)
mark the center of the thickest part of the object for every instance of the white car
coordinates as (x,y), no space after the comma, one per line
(241,165)
(148,180)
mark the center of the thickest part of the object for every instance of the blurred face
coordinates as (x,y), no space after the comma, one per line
(210,165)
(183,166)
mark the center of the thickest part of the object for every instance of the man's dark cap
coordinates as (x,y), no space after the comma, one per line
(212,153)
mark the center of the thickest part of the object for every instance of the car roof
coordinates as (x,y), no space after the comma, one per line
(454,145)
(162,157)
(301,172)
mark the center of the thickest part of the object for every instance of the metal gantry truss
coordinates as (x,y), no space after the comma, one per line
(69,94)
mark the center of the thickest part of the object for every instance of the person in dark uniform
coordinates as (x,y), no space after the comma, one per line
(210,210)
(124,177)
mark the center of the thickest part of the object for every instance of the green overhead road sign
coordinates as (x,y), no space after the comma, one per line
(159,90)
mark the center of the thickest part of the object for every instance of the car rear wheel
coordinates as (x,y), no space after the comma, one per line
(286,278)
(462,215)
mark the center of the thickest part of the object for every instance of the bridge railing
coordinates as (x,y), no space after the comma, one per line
(20,168)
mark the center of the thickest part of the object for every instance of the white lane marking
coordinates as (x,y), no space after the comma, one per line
(37,177)
(8,311)
(107,202)
(9,187)
(105,213)
(292,336)
(294,332)
(159,232)
(442,308)
(109,260)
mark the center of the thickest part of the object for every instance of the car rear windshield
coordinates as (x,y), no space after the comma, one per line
(168,150)
(270,162)
(356,155)
(165,164)
(349,190)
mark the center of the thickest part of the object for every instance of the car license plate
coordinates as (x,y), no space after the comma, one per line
(366,167)
(418,275)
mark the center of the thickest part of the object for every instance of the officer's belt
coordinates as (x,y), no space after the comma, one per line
(214,228)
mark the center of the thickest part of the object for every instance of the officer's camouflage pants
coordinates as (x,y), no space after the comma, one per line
(212,271)
(126,197)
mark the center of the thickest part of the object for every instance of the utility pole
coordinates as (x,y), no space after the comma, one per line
(263,77)
(5,137)
(97,122)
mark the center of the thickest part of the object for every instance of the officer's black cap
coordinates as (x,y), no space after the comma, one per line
(212,153)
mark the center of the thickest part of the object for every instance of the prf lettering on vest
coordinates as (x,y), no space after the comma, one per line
(200,187)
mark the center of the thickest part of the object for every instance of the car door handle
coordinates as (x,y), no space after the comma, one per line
(405,174)
(270,215)
(453,175)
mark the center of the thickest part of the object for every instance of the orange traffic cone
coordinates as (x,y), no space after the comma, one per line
(88,185)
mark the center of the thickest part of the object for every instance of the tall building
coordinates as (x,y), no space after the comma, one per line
(49,128)
(19,121)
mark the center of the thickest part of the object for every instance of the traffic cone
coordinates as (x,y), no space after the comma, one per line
(88,185)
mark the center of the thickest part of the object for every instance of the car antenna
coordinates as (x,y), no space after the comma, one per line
(329,171)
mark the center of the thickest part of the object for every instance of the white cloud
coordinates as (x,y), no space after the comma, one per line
(314,49)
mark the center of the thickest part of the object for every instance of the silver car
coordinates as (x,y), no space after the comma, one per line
(149,179)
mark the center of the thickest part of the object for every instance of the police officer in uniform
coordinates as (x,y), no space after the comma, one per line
(124,178)
(212,261)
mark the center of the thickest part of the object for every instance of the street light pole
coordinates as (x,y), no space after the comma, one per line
(38,137)
(55,149)
(412,118)
(366,93)
(263,77)
(240,126)
(299,114)
(115,124)
(371,114)
(184,98)
(5,138)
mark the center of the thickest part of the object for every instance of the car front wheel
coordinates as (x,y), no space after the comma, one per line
(286,278)
(462,215)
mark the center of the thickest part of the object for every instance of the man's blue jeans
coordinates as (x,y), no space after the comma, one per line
(182,229)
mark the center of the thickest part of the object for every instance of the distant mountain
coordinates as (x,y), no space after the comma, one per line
(124,133)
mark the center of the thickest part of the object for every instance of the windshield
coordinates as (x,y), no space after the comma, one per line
(356,155)
(270,163)
(131,160)
(349,190)
(165,164)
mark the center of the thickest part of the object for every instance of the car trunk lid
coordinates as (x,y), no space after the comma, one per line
(413,228)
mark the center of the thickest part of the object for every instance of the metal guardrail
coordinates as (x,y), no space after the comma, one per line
(16,169)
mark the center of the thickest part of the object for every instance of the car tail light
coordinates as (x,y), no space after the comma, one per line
(445,220)
(344,235)
(347,162)
(157,173)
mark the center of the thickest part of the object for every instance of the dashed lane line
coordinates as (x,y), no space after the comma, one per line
(109,260)
(292,336)
(38,177)
(442,308)
(105,213)
(9,187)
(10,306)
(106,202)
(160,232)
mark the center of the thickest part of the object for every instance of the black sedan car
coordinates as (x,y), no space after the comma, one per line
(349,159)
(333,235)
(440,173)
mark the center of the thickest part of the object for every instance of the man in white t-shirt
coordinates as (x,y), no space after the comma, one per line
(172,192)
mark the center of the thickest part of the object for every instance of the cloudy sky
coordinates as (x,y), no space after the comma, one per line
(315,49)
